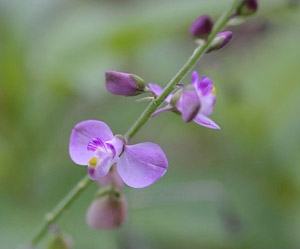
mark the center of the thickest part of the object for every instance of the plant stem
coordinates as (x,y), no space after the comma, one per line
(62,206)
(66,202)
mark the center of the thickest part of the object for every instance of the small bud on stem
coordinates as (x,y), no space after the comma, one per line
(119,83)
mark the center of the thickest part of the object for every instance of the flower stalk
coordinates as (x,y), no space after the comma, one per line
(66,202)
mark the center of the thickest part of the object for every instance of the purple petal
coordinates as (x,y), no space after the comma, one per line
(205,86)
(200,119)
(155,89)
(195,77)
(82,134)
(163,109)
(190,104)
(142,164)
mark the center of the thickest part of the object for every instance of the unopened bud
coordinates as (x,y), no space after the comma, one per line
(190,103)
(61,241)
(107,212)
(220,40)
(123,83)
(249,7)
(201,27)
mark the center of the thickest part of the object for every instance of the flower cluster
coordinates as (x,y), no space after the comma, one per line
(112,161)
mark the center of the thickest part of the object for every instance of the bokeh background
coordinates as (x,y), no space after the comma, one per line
(233,188)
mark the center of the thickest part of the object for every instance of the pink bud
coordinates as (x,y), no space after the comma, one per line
(123,83)
(107,212)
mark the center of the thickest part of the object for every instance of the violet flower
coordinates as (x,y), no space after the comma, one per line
(195,103)
(93,144)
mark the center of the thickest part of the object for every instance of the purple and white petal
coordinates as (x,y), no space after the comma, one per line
(83,133)
(189,104)
(142,164)
(205,86)
(102,168)
(201,119)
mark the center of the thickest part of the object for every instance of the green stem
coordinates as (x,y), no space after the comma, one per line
(51,217)
(62,206)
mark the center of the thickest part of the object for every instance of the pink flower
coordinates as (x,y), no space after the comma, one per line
(93,144)
(195,102)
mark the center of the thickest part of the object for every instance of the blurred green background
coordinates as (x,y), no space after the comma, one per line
(233,188)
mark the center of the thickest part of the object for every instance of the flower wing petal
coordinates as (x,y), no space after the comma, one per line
(190,104)
(82,134)
(142,164)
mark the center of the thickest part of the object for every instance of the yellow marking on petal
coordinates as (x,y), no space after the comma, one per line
(99,149)
(213,91)
(93,161)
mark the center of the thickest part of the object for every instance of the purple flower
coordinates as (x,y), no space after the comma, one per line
(123,83)
(201,27)
(107,212)
(220,40)
(195,103)
(93,144)
(249,7)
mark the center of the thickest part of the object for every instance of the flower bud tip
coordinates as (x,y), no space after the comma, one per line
(201,27)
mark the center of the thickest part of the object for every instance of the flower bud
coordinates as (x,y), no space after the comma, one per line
(190,103)
(61,241)
(220,40)
(201,27)
(249,7)
(107,212)
(123,83)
